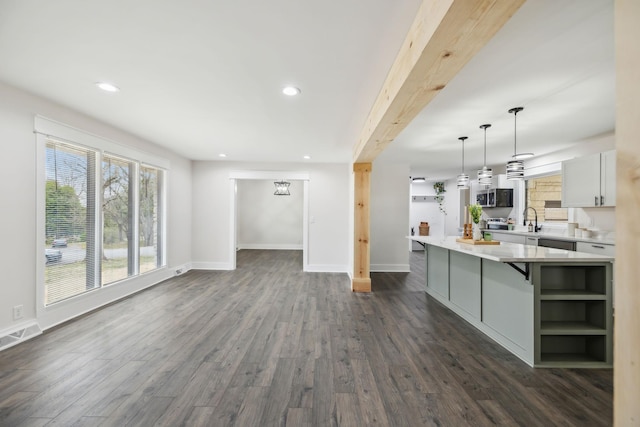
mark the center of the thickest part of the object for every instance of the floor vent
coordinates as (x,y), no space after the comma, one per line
(25,332)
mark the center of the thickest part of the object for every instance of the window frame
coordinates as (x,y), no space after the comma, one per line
(49,130)
(539,171)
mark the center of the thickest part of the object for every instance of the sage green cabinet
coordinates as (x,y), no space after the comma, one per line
(573,315)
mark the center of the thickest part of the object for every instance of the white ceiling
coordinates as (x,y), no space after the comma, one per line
(204,77)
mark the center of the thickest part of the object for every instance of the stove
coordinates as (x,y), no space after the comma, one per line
(497,224)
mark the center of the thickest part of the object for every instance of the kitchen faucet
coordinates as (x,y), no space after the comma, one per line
(524,222)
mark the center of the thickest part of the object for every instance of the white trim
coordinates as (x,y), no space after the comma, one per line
(233,236)
(182,268)
(384,268)
(305,225)
(19,333)
(268,175)
(542,170)
(205,265)
(271,246)
(40,222)
(291,175)
(327,268)
(78,305)
(65,132)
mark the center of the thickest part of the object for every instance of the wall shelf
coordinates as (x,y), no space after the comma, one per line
(423,198)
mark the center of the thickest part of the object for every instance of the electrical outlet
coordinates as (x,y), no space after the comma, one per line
(18,312)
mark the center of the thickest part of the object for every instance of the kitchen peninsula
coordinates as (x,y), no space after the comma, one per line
(550,307)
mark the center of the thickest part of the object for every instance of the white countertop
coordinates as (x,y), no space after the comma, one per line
(511,252)
(544,235)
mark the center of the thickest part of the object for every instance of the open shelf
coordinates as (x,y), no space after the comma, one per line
(573,315)
(569,349)
(569,294)
(573,279)
(573,328)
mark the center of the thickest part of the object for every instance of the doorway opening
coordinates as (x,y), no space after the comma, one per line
(252,205)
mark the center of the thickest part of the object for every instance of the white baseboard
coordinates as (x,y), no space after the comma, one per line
(271,246)
(181,269)
(327,268)
(19,333)
(205,265)
(389,268)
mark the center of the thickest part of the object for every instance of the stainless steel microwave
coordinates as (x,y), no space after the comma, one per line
(495,198)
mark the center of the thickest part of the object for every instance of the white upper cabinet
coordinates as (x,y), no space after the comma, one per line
(589,181)
(608,178)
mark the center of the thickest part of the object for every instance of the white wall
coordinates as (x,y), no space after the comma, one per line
(389,217)
(20,253)
(267,221)
(328,212)
(426,211)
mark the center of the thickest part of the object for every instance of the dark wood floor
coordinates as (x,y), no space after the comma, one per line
(269,345)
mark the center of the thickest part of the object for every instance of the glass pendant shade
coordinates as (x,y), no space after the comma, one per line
(485,174)
(463,180)
(515,167)
(282,188)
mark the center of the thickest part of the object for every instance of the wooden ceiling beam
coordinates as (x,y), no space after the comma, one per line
(444,36)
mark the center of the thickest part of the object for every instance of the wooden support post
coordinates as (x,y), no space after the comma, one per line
(361,281)
(626,379)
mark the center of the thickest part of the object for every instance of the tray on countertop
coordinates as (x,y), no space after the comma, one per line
(477,242)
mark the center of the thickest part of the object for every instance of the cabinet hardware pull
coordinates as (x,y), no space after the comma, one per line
(597,246)
(596,201)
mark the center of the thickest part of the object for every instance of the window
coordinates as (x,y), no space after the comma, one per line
(69,221)
(96,204)
(544,194)
(117,225)
(151,255)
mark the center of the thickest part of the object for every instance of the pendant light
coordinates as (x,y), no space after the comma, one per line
(463,178)
(515,167)
(282,188)
(485,174)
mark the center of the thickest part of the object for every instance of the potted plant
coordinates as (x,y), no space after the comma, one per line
(439,187)
(476,214)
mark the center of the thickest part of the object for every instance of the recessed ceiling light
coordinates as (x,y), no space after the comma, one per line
(419,179)
(222,155)
(306,157)
(290,90)
(107,87)
(522,156)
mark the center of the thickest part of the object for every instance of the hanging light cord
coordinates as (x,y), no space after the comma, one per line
(515,132)
(515,112)
(462,138)
(485,147)
(485,142)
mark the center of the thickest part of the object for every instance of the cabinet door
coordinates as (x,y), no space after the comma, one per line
(581,182)
(608,178)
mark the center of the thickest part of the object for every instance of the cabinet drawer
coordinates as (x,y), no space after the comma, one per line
(596,248)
